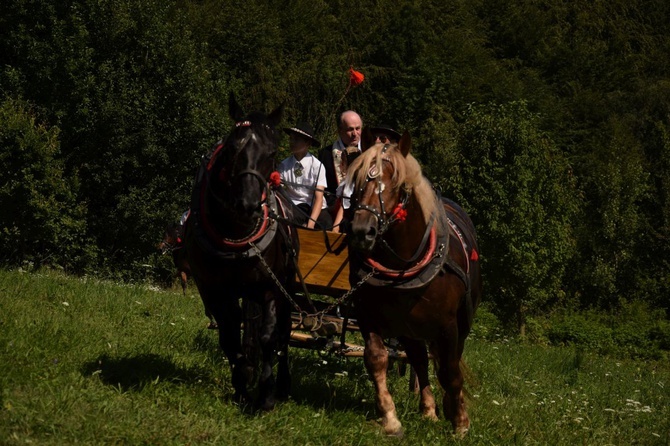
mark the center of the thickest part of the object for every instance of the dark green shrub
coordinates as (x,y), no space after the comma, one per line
(486,325)
(580,329)
(41,222)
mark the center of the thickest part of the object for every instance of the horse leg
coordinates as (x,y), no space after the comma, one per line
(418,359)
(451,378)
(268,341)
(183,279)
(229,318)
(376,362)
(283,389)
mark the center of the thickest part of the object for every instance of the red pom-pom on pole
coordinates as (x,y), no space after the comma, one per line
(355,77)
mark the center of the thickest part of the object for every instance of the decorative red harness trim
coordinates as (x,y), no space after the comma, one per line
(413,271)
(213,158)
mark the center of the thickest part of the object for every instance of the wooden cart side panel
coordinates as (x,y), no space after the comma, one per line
(324,272)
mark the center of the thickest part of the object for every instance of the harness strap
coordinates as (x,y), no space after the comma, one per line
(413,271)
(419,250)
(459,234)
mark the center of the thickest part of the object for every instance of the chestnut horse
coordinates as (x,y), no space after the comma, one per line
(418,257)
(237,251)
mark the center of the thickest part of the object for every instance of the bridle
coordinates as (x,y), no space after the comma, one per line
(266,200)
(426,250)
(384,219)
(263,180)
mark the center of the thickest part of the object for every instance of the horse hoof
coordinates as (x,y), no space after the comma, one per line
(393,428)
(399,433)
(267,405)
(461,432)
(282,395)
(241,399)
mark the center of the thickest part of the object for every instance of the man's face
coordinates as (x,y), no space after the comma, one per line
(350,129)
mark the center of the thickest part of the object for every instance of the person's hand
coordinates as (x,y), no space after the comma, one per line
(310,224)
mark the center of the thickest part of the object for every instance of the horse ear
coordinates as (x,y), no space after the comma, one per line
(234,109)
(367,139)
(405,143)
(274,118)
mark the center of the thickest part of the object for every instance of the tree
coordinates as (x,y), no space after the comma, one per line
(41,220)
(520,193)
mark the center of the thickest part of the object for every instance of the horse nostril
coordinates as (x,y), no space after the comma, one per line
(372,233)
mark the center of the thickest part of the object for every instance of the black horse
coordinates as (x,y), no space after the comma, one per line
(236,250)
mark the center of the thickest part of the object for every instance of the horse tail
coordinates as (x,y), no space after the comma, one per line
(470,379)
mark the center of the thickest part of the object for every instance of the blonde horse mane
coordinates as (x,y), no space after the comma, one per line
(407,175)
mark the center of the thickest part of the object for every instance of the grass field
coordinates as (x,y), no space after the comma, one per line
(90,362)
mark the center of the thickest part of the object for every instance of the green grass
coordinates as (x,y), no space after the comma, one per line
(90,362)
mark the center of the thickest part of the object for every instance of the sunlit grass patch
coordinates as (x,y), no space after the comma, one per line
(133,365)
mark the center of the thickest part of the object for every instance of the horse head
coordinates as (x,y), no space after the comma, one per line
(240,169)
(171,238)
(381,190)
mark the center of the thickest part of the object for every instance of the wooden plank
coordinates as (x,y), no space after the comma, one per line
(324,271)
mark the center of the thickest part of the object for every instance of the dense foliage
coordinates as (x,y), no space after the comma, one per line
(548,120)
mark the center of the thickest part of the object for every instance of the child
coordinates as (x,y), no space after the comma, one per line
(305,179)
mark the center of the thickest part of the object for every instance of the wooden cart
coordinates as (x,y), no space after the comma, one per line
(324,267)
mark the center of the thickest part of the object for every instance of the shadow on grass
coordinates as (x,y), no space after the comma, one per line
(322,383)
(135,372)
(336,385)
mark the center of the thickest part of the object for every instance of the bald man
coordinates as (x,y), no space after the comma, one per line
(349,125)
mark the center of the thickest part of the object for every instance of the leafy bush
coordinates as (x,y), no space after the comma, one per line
(633,330)
(486,325)
(41,221)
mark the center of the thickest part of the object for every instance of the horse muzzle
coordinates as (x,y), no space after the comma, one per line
(363,234)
